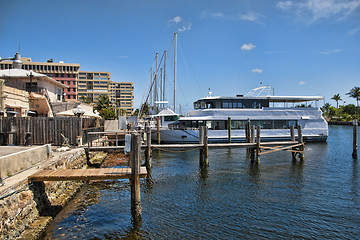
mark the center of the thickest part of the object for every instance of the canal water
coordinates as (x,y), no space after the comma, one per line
(231,199)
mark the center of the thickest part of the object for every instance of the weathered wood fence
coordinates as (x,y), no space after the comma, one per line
(43,130)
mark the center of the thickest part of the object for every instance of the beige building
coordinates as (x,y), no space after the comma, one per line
(122,96)
(65,73)
(22,91)
(93,84)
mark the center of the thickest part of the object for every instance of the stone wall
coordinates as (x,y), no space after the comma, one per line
(21,208)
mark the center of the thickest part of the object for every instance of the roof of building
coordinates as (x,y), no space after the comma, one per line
(21,73)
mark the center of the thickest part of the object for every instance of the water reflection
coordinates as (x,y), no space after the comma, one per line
(232,198)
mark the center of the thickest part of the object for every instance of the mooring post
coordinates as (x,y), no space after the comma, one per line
(135,177)
(229,129)
(247,136)
(355,138)
(158,121)
(148,146)
(301,140)
(258,127)
(292,137)
(204,156)
(201,143)
(252,140)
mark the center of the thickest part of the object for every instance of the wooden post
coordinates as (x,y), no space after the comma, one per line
(292,133)
(158,121)
(252,140)
(252,134)
(201,142)
(258,127)
(355,139)
(292,136)
(148,147)
(135,177)
(247,136)
(204,154)
(229,129)
(301,140)
(116,139)
(201,134)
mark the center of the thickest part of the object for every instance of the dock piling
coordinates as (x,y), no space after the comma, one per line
(204,151)
(355,138)
(258,127)
(158,121)
(292,137)
(135,177)
(148,163)
(301,147)
(229,129)
(252,140)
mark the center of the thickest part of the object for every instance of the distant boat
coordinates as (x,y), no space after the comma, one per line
(259,109)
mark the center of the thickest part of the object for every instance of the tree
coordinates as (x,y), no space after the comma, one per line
(326,109)
(337,98)
(85,99)
(103,105)
(355,93)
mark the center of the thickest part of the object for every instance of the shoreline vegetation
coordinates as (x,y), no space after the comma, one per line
(342,114)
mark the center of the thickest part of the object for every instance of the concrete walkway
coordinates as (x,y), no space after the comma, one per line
(9,183)
(6,150)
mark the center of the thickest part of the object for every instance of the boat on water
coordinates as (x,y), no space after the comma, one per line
(275,115)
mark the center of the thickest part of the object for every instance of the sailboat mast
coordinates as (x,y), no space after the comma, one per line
(163,96)
(175,36)
(156,81)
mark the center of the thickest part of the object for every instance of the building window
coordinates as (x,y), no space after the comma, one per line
(74,89)
(68,76)
(62,75)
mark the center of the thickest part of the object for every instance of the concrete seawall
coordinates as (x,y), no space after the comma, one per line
(26,209)
(21,160)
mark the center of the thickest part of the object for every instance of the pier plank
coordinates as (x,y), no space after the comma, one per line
(84,174)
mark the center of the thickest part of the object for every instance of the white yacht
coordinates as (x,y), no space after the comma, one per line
(275,115)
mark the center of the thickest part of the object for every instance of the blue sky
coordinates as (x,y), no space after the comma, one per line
(303,47)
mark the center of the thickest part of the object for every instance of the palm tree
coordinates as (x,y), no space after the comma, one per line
(337,98)
(355,93)
(103,105)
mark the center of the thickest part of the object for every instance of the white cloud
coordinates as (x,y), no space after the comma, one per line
(312,11)
(176,20)
(250,16)
(301,83)
(184,28)
(257,70)
(286,5)
(181,24)
(338,50)
(353,31)
(248,47)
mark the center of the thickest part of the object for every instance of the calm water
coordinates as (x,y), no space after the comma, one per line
(231,199)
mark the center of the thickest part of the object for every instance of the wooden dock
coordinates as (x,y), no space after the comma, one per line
(195,145)
(84,174)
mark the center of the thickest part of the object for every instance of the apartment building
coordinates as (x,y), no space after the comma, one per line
(122,96)
(81,84)
(65,73)
(93,84)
